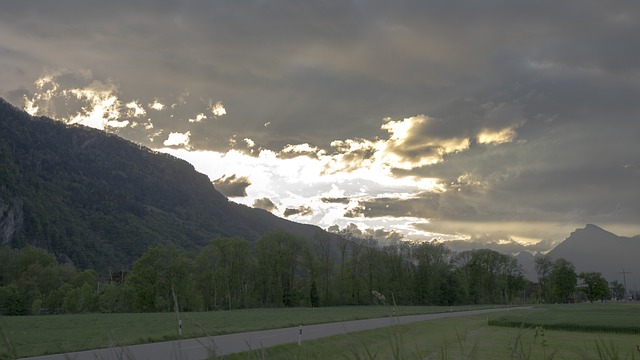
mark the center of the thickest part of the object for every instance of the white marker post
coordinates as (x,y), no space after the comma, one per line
(180,327)
(300,335)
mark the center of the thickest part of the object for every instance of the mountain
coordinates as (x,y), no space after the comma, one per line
(528,263)
(100,201)
(595,249)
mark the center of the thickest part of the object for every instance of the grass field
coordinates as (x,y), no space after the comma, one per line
(596,317)
(468,337)
(472,338)
(458,338)
(52,334)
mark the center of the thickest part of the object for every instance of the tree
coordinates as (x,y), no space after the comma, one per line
(398,270)
(278,256)
(618,290)
(313,294)
(112,299)
(543,266)
(432,274)
(564,279)
(371,259)
(322,248)
(161,277)
(594,286)
(493,277)
(231,265)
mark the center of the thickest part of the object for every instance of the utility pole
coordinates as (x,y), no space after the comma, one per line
(624,280)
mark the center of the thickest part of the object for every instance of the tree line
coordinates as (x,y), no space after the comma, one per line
(281,269)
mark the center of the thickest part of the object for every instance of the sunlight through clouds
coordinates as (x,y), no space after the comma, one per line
(347,183)
(291,183)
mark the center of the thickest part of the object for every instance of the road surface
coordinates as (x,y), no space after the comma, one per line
(202,348)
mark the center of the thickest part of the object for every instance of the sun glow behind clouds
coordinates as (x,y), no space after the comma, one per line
(302,181)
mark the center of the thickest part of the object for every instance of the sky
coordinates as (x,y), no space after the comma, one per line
(506,123)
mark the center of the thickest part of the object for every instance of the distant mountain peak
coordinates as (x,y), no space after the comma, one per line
(594,249)
(591,232)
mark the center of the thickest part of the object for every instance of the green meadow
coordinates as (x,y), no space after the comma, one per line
(589,331)
(52,334)
(576,331)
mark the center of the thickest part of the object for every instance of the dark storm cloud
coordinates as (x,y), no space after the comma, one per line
(321,66)
(232,186)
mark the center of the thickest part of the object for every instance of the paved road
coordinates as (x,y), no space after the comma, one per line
(201,348)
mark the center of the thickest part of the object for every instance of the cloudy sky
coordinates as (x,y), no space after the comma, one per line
(493,121)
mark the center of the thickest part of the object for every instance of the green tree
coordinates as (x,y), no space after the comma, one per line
(322,246)
(278,257)
(618,290)
(398,271)
(161,279)
(543,266)
(432,274)
(231,264)
(112,299)
(342,282)
(372,271)
(594,286)
(313,294)
(563,277)
(10,301)
(493,277)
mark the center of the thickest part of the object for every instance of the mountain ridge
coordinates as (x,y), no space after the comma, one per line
(100,201)
(594,249)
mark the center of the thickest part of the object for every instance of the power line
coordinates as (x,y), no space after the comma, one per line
(624,279)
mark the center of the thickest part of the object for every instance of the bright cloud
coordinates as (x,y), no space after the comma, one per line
(497,137)
(135,109)
(102,107)
(301,184)
(410,145)
(198,118)
(218,109)
(178,139)
(157,105)
(250,143)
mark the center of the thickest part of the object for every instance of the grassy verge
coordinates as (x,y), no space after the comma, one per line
(51,334)
(458,338)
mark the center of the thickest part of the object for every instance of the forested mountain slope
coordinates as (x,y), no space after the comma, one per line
(100,201)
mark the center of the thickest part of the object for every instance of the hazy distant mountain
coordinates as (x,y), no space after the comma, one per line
(101,201)
(595,249)
(527,261)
